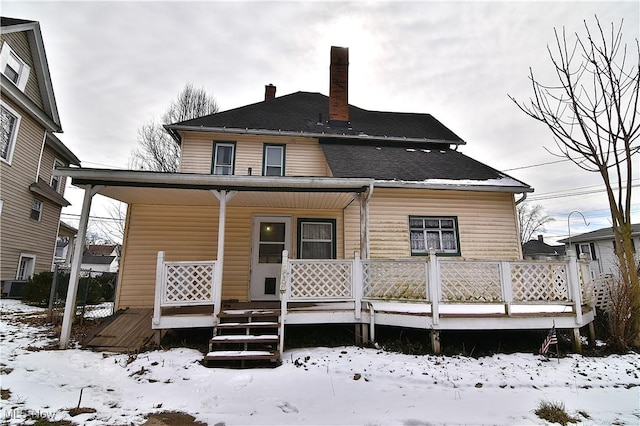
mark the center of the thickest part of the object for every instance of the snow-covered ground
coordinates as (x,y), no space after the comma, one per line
(319,386)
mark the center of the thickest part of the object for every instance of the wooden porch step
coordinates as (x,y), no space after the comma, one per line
(245,338)
(239,325)
(240,355)
(244,313)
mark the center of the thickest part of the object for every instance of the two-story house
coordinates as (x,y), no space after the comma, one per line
(598,248)
(324,212)
(31,196)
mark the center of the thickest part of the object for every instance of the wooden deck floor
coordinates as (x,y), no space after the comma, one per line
(128,331)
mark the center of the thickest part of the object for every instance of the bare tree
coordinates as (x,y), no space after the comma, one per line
(157,150)
(532,220)
(592,112)
(113,223)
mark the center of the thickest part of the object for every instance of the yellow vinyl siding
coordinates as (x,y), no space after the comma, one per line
(190,233)
(20,45)
(486,221)
(304,156)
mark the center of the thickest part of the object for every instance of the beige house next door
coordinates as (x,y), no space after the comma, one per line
(271,235)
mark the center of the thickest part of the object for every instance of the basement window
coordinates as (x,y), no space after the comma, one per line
(440,233)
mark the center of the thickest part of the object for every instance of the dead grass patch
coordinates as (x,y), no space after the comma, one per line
(554,412)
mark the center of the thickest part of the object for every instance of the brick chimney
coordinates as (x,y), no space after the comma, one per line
(269,92)
(541,238)
(339,86)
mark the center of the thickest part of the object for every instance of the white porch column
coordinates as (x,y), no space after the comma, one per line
(223,196)
(76,264)
(364,221)
(574,285)
(435,284)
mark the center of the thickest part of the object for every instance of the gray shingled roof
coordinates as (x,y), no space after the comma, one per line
(305,112)
(91,259)
(600,234)
(404,162)
(534,247)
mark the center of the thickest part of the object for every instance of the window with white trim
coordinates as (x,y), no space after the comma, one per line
(56,181)
(26,266)
(9,124)
(223,158)
(273,159)
(316,238)
(13,67)
(36,209)
(439,233)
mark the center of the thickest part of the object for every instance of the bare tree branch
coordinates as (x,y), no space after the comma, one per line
(592,113)
(157,151)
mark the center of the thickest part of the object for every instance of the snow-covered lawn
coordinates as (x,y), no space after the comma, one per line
(313,386)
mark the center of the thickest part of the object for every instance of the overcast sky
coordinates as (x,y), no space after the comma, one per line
(117,65)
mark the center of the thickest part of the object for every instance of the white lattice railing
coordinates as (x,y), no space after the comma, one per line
(188,283)
(321,280)
(471,281)
(395,279)
(540,282)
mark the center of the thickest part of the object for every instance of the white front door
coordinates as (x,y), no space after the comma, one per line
(271,235)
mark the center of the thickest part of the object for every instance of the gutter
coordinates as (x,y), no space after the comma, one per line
(453,187)
(173,131)
(136,178)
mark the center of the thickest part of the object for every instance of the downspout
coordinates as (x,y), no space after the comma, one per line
(524,197)
(44,140)
(364,222)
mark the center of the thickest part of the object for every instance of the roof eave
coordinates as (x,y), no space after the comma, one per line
(39,56)
(82,176)
(12,92)
(174,129)
(62,149)
(453,186)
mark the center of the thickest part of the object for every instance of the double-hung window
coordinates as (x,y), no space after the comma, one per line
(36,209)
(439,233)
(316,238)
(13,67)
(56,181)
(224,158)
(273,160)
(9,123)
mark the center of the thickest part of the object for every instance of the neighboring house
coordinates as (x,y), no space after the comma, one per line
(539,250)
(31,196)
(598,247)
(101,258)
(64,245)
(331,213)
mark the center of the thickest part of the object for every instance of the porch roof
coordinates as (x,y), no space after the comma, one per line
(134,186)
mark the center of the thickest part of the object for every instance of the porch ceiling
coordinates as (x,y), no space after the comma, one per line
(200,197)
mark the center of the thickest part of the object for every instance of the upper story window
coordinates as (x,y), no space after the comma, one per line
(13,67)
(36,209)
(56,181)
(440,233)
(9,123)
(223,158)
(273,160)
